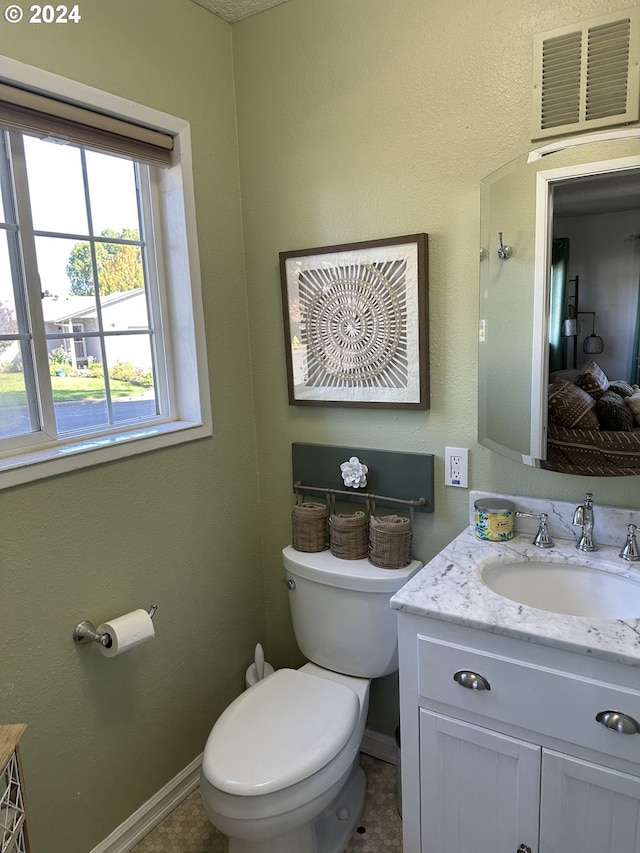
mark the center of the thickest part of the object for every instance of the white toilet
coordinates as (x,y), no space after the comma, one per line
(280,772)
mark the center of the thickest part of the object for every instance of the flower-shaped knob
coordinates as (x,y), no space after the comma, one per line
(354,473)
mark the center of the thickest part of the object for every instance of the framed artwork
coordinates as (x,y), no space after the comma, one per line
(356,324)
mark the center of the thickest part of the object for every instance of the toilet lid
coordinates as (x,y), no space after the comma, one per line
(282,730)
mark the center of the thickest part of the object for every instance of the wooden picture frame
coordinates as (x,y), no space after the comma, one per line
(356,324)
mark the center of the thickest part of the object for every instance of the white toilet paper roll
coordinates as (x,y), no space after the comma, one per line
(126,632)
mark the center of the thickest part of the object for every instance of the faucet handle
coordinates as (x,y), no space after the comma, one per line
(630,550)
(542,539)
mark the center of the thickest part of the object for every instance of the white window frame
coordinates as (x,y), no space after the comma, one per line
(183,333)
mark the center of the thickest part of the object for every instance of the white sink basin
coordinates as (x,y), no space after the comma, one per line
(565,588)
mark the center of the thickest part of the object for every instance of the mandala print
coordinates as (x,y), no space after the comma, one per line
(354,325)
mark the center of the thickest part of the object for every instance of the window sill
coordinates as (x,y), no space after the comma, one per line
(38,464)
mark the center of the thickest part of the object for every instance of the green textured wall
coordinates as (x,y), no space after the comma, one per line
(178,527)
(355,119)
(368,118)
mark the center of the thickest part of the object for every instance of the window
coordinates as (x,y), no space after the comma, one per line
(101,345)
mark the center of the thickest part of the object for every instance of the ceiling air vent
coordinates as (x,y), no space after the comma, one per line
(587,76)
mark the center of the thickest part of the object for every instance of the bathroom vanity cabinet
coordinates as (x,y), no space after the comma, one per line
(504,707)
(517,762)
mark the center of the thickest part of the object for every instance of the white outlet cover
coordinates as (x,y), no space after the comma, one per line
(456,467)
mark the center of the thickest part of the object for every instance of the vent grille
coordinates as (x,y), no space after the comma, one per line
(561,60)
(587,76)
(607,70)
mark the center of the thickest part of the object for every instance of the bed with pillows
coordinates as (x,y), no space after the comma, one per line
(593,424)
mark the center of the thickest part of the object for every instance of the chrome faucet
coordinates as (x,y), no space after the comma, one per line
(542,539)
(630,550)
(584,517)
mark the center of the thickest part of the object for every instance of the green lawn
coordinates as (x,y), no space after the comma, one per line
(66,388)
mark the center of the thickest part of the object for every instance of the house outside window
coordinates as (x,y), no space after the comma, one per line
(101,335)
(78,352)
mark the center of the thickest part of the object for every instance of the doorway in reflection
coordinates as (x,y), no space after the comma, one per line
(594,329)
(595,283)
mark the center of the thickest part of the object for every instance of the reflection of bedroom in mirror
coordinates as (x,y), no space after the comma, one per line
(563,311)
(594,326)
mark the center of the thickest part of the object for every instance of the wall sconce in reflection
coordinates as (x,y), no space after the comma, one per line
(592,344)
(570,325)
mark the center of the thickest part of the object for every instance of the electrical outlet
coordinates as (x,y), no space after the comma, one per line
(456,467)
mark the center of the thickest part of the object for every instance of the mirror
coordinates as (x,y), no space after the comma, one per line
(567,297)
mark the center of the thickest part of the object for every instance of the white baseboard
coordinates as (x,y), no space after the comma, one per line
(149,815)
(379,746)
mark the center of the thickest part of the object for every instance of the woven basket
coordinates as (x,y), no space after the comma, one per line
(309,529)
(349,536)
(390,538)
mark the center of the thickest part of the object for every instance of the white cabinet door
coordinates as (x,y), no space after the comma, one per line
(480,791)
(587,808)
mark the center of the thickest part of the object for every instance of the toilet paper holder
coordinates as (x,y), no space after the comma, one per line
(85,631)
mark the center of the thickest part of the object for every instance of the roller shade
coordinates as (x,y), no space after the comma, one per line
(31,112)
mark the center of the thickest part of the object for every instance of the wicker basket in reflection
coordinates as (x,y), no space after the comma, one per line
(390,540)
(349,536)
(309,527)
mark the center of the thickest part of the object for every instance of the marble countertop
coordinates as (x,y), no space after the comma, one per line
(449,588)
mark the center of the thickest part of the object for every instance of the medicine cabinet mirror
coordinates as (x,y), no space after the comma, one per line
(559,292)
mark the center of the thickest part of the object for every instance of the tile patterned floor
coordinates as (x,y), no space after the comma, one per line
(188,830)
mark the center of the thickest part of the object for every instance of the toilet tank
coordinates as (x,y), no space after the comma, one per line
(341,613)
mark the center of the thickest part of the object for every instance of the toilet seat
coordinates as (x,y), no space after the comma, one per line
(282,730)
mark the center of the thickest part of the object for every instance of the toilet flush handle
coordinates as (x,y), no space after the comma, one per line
(291,584)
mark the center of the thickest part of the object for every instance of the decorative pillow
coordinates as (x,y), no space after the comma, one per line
(633,402)
(613,413)
(621,388)
(592,379)
(571,407)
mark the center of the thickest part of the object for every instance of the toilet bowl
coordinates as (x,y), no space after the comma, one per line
(280,767)
(280,772)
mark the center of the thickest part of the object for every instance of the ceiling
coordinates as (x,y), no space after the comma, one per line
(236,10)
